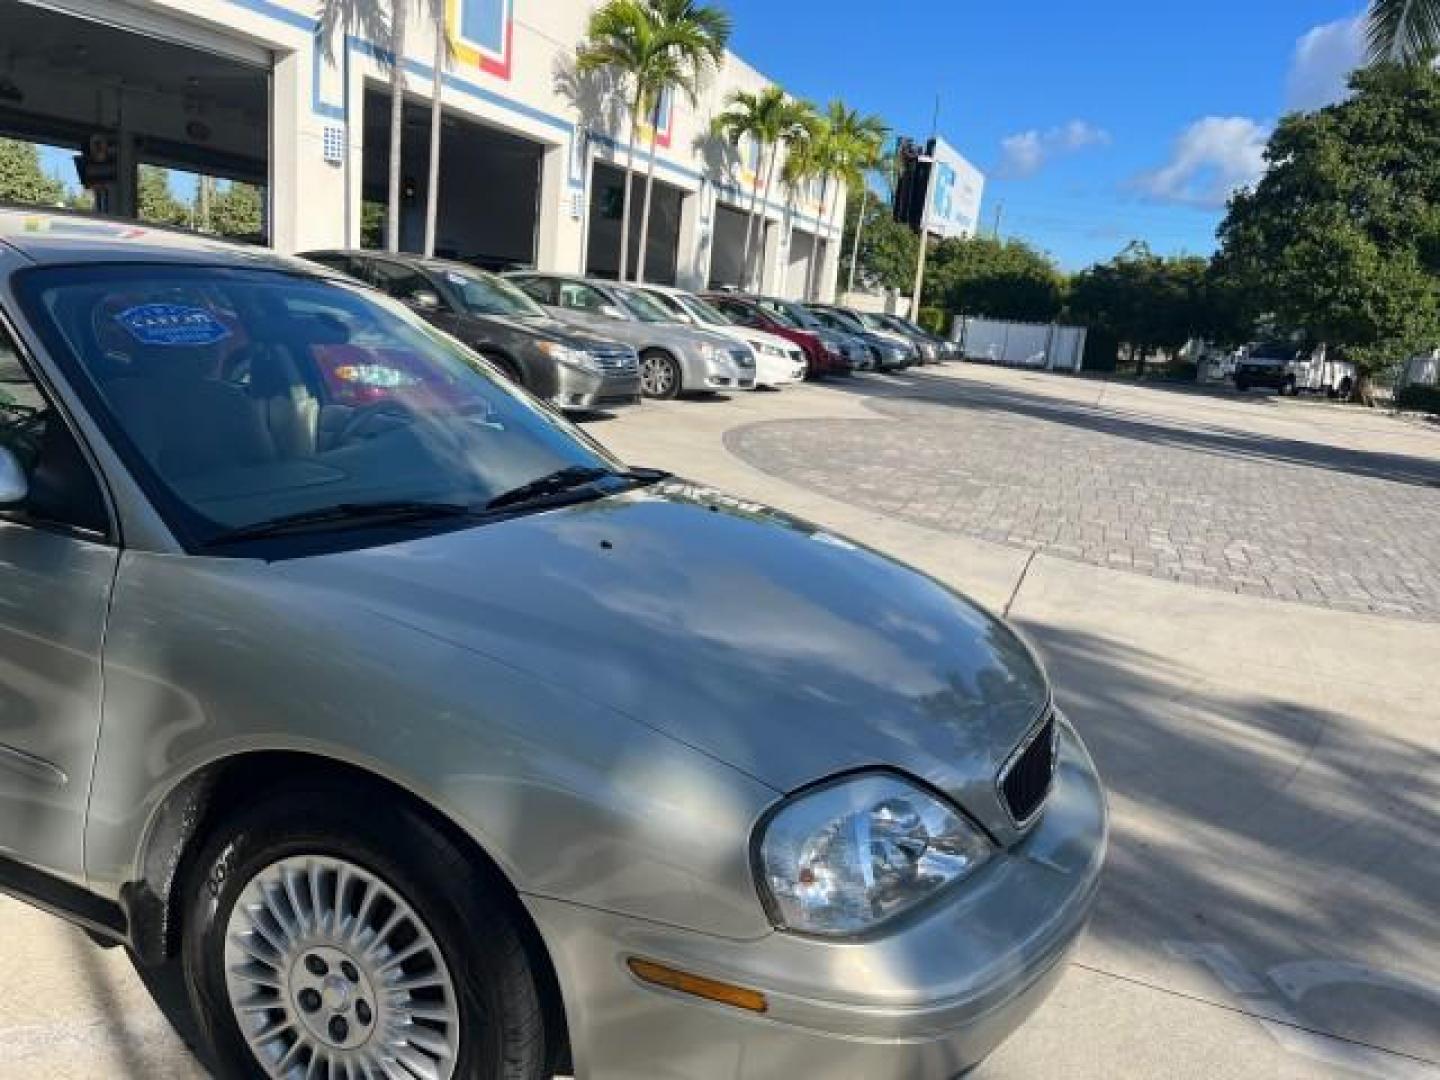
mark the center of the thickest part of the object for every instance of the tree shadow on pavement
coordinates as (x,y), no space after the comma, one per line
(912,394)
(1265,855)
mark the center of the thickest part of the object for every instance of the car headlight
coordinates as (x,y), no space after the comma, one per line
(564,354)
(842,858)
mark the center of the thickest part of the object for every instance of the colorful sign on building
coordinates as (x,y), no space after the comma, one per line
(483,34)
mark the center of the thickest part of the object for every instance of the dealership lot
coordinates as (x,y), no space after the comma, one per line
(1275,863)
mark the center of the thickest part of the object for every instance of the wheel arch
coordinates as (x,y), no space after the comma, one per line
(198,803)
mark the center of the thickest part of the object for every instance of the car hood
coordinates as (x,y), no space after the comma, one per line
(772,645)
(546,329)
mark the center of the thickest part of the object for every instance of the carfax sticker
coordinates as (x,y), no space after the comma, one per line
(172,324)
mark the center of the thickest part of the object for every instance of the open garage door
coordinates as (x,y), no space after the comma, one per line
(602,257)
(489,209)
(167,132)
(727,262)
(804,251)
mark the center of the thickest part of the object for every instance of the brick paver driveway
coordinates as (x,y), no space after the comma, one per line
(1208,491)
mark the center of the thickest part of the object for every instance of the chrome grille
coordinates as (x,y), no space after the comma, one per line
(1025,780)
(619,361)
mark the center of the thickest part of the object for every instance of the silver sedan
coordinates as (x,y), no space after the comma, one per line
(423,737)
(675,358)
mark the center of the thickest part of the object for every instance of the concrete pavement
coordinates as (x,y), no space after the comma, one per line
(1273,890)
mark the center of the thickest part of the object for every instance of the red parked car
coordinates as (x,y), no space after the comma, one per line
(822,359)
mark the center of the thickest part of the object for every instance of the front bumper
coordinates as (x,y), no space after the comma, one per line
(583,391)
(930,998)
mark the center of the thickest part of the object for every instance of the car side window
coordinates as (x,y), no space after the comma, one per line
(579,297)
(63,489)
(401,282)
(541,290)
(739,312)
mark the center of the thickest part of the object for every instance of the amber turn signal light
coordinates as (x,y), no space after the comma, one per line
(697,986)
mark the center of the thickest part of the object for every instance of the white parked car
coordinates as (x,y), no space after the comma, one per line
(777,362)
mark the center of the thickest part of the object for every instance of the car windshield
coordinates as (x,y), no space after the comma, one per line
(243,396)
(644,308)
(706,313)
(1270,352)
(846,321)
(800,317)
(486,294)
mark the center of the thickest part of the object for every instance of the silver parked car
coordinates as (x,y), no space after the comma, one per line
(425,738)
(674,358)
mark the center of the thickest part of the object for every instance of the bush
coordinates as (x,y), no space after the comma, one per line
(936,320)
(1419,398)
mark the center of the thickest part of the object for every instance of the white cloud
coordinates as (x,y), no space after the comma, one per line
(1023,153)
(1212,157)
(1323,60)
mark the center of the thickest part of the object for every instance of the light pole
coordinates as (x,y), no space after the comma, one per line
(923,159)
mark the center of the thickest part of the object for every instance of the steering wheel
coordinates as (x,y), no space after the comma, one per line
(368,416)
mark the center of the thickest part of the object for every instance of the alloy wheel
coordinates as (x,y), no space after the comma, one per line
(657,376)
(330,973)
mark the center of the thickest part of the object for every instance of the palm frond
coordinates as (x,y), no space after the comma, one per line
(1402,31)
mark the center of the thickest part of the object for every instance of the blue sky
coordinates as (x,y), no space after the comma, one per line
(1096,123)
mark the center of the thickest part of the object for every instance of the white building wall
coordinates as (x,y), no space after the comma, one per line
(527,88)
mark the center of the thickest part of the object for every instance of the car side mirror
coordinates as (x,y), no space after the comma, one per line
(425,300)
(14,485)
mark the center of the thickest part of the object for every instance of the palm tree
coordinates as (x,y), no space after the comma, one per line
(848,141)
(762,118)
(872,159)
(1403,31)
(656,47)
(802,163)
(399,20)
(443,52)
(366,19)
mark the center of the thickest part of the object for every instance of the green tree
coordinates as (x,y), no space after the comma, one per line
(238,210)
(22,179)
(999,279)
(1403,31)
(847,145)
(884,249)
(763,118)
(654,48)
(1340,240)
(156,203)
(1148,301)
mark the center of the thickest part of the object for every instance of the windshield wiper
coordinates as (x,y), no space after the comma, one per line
(569,479)
(346,515)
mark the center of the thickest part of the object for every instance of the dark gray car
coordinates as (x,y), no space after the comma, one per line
(569,368)
(397,720)
(891,351)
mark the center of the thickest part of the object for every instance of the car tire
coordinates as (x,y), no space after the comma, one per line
(1290,387)
(302,904)
(660,376)
(508,366)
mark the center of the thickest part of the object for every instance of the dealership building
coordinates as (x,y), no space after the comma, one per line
(294,96)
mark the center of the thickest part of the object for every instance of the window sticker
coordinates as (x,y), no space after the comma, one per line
(172,324)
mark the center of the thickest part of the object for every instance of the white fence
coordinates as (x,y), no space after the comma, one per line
(1421,371)
(1033,345)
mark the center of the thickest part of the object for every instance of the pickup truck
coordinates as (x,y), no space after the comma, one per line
(1290,371)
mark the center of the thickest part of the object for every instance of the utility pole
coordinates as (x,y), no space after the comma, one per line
(923,159)
(927,158)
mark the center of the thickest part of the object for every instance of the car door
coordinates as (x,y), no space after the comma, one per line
(57,566)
